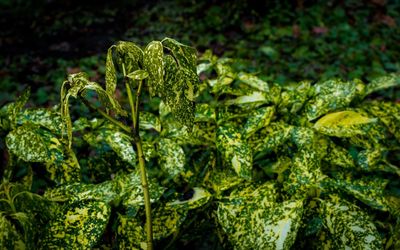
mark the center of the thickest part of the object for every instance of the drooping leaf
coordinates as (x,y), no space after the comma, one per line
(171,157)
(128,56)
(154,65)
(332,95)
(79,225)
(349,226)
(235,151)
(344,124)
(383,82)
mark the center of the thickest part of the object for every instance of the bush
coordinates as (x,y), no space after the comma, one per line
(257,165)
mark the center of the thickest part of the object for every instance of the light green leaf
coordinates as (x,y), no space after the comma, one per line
(171,157)
(332,95)
(80,225)
(130,233)
(253,81)
(154,65)
(129,56)
(9,112)
(149,121)
(235,151)
(204,113)
(138,75)
(349,226)
(383,82)
(344,124)
(256,98)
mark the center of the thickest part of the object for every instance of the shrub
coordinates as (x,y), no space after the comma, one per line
(262,166)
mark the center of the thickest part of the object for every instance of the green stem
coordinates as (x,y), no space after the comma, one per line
(106,116)
(134,103)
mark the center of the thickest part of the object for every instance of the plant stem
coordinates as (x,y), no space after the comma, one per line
(105,115)
(134,103)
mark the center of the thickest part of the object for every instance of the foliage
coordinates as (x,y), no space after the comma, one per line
(258,164)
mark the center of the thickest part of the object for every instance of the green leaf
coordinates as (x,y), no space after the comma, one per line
(254,220)
(47,118)
(349,226)
(129,55)
(258,119)
(204,113)
(383,82)
(235,151)
(149,121)
(154,65)
(9,112)
(80,225)
(167,220)
(344,124)
(255,98)
(138,75)
(130,233)
(332,95)
(253,81)
(171,157)
(10,238)
(111,76)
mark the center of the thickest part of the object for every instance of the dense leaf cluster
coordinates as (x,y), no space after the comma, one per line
(263,166)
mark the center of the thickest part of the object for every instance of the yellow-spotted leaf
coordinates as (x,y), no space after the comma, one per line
(154,65)
(138,75)
(344,124)
(349,226)
(194,198)
(235,151)
(253,81)
(10,238)
(167,220)
(149,121)
(78,226)
(171,157)
(130,233)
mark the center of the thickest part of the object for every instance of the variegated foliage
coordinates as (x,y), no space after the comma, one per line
(263,166)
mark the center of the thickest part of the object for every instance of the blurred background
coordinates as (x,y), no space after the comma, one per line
(43,41)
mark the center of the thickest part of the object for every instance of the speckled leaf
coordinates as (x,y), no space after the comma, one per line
(235,151)
(332,95)
(383,82)
(80,226)
(177,94)
(9,112)
(166,220)
(253,81)
(171,157)
(130,233)
(338,156)
(154,65)
(349,226)
(10,238)
(273,137)
(256,221)
(257,119)
(129,55)
(111,76)
(387,113)
(370,191)
(200,197)
(344,124)
(294,98)
(222,180)
(64,166)
(149,121)
(47,118)
(138,75)
(204,113)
